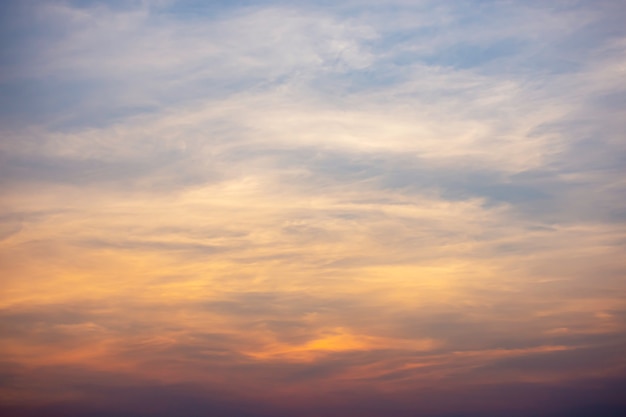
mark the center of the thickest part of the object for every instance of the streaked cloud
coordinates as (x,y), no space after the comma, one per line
(268,208)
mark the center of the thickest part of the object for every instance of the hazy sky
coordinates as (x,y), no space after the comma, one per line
(313,208)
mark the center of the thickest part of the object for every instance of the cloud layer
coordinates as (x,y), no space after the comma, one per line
(267,208)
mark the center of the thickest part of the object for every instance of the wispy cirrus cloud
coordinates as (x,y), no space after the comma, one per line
(287,209)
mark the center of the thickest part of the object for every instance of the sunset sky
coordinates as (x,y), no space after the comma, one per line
(350,208)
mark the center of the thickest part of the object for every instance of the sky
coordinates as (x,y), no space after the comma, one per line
(313,208)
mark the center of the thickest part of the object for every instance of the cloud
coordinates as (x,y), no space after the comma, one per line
(312,209)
